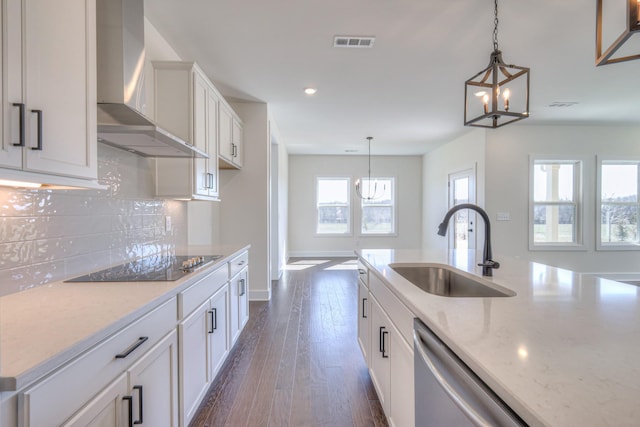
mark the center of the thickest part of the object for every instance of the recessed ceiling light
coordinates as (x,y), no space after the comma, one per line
(310,90)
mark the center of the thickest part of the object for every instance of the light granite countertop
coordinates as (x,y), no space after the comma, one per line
(565,351)
(44,327)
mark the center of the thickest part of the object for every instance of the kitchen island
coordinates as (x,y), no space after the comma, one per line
(562,352)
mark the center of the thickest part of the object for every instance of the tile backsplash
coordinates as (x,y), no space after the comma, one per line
(49,235)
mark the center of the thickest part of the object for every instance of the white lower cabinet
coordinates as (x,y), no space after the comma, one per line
(203,349)
(390,356)
(107,409)
(146,394)
(153,385)
(239,304)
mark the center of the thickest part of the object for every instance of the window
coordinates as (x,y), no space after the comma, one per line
(379,212)
(618,205)
(333,206)
(555,217)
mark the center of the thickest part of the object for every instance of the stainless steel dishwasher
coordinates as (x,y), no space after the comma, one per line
(448,393)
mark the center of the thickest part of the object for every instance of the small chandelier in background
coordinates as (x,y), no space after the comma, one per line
(499,94)
(370,195)
(629,25)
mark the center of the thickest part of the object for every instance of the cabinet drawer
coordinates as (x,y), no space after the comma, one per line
(363,273)
(395,309)
(238,263)
(54,399)
(192,297)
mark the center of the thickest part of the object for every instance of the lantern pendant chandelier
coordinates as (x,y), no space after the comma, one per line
(369,195)
(630,28)
(499,94)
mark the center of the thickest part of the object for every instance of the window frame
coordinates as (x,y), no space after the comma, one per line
(619,160)
(349,206)
(394,206)
(578,201)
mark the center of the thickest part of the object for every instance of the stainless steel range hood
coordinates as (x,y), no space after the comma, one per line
(121,86)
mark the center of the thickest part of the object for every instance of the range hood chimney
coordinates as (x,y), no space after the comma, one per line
(121,86)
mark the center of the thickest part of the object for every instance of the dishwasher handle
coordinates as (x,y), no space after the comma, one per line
(481,401)
(465,407)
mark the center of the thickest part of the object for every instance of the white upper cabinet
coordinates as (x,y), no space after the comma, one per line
(49,89)
(230,143)
(186,104)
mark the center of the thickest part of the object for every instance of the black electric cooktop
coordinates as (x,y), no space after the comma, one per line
(150,269)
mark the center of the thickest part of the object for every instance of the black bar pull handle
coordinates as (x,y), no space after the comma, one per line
(364,300)
(213,321)
(21,122)
(140,405)
(132,348)
(39,116)
(129,400)
(381,339)
(241,282)
(384,347)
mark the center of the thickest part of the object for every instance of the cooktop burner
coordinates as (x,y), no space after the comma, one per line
(150,269)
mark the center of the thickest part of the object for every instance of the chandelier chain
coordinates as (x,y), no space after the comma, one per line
(495,25)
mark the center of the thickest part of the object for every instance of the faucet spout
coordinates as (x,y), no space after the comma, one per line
(488,264)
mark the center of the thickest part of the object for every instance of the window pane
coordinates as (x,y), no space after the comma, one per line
(554,223)
(553,182)
(377,219)
(333,206)
(619,223)
(619,183)
(333,191)
(333,219)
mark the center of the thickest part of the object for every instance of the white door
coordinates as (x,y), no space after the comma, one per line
(218,331)
(462,189)
(108,409)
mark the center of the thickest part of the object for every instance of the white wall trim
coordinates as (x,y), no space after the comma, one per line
(326,254)
(260,295)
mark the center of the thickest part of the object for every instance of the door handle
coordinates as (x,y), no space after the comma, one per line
(364,316)
(140,406)
(129,400)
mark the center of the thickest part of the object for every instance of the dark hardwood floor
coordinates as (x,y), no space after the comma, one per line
(297,362)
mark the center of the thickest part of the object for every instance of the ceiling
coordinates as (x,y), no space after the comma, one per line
(407,92)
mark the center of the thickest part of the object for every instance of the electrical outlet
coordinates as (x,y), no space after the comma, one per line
(167,223)
(503,216)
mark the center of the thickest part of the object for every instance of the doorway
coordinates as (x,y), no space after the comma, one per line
(462,189)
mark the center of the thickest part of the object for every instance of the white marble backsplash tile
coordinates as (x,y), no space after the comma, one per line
(49,235)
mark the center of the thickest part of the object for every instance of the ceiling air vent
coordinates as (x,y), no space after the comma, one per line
(563,104)
(353,41)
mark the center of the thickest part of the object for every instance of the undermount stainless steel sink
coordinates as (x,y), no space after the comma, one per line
(445,282)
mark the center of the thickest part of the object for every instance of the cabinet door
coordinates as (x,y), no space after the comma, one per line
(364,317)
(59,71)
(212,141)
(218,331)
(402,411)
(194,360)
(11,83)
(225,141)
(153,382)
(243,300)
(237,143)
(200,119)
(107,409)
(238,307)
(379,363)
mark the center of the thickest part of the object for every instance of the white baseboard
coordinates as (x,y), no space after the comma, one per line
(262,295)
(322,254)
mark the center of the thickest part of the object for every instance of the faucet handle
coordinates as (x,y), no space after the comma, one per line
(490,263)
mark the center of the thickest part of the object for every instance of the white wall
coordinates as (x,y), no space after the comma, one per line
(279,203)
(461,154)
(244,194)
(303,171)
(507,186)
